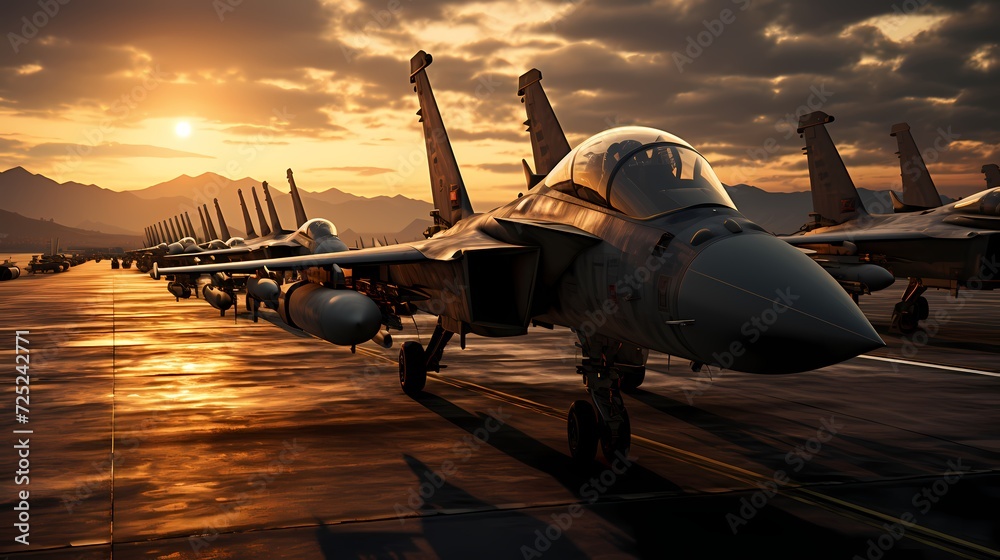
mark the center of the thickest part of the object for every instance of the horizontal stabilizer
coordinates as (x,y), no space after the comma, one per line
(899,207)
(530,177)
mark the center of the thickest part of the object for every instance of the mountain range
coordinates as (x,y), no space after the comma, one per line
(124,214)
(22,234)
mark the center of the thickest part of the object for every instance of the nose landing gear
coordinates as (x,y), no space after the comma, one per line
(606,421)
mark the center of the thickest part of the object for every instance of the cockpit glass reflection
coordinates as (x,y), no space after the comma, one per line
(654,179)
(642,172)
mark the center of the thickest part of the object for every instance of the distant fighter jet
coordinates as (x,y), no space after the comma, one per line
(948,247)
(629,239)
(311,237)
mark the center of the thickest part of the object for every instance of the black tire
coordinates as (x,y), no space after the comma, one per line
(908,322)
(412,368)
(632,377)
(921,308)
(620,444)
(581,431)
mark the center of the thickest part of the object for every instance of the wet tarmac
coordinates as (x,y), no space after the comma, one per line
(239,440)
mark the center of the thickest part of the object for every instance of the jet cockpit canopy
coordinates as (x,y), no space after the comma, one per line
(985,202)
(641,172)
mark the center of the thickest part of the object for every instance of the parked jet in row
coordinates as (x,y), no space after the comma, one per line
(950,246)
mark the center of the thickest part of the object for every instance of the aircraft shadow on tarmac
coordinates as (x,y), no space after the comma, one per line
(672,524)
(774,457)
(651,523)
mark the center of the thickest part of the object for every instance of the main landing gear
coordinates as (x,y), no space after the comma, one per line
(415,362)
(608,367)
(606,421)
(912,309)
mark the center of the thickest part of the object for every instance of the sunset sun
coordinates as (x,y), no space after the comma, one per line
(183,129)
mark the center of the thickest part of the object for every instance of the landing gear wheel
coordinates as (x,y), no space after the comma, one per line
(921,308)
(908,322)
(611,446)
(632,377)
(412,368)
(581,428)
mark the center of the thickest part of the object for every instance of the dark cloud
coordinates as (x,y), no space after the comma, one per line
(312,69)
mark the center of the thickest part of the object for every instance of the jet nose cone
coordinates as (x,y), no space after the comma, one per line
(761,306)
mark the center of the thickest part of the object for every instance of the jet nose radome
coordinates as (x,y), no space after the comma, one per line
(761,306)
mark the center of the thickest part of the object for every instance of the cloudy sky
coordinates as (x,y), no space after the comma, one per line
(101,91)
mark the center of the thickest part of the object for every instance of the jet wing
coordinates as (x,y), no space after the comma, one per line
(855,235)
(211,253)
(393,254)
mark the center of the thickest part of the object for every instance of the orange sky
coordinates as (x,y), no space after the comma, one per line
(94,93)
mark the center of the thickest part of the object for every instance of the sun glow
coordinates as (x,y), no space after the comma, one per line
(183,129)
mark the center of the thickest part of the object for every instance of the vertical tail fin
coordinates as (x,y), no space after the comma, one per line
(223,228)
(918,187)
(451,201)
(265,230)
(548,141)
(251,234)
(184,226)
(834,196)
(151,236)
(300,211)
(992,172)
(173,231)
(211,226)
(163,234)
(204,226)
(194,233)
(271,210)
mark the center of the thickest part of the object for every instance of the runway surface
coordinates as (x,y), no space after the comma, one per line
(239,440)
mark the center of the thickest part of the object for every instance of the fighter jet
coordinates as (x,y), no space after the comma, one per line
(949,247)
(919,192)
(311,237)
(629,239)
